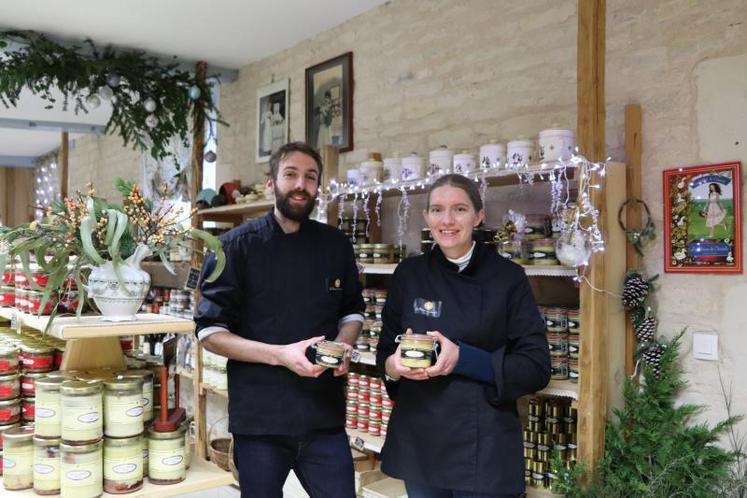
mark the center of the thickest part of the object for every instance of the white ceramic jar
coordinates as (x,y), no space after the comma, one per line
(464,163)
(371,172)
(493,155)
(392,168)
(354,177)
(412,167)
(555,145)
(519,153)
(440,161)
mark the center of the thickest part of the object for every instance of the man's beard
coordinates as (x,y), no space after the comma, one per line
(295,213)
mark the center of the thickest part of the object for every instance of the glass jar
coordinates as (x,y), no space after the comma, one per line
(538,226)
(4,428)
(46,466)
(28,383)
(542,252)
(47,410)
(8,360)
(416,350)
(27,409)
(10,386)
(383,253)
(81,470)
(123,464)
(574,321)
(366,254)
(10,411)
(556,320)
(37,358)
(147,402)
(166,463)
(123,407)
(81,407)
(18,457)
(187,444)
(558,368)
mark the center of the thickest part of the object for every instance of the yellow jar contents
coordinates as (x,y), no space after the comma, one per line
(123,464)
(416,350)
(187,446)
(46,466)
(329,353)
(81,473)
(147,401)
(166,463)
(18,457)
(48,418)
(81,406)
(123,407)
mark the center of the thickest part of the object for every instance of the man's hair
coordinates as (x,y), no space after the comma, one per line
(290,148)
(457,181)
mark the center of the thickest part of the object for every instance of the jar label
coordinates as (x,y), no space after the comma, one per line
(78,475)
(135,412)
(43,468)
(18,463)
(167,463)
(89,418)
(44,412)
(81,418)
(124,468)
(87,471)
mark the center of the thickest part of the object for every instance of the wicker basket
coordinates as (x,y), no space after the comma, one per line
(220,450)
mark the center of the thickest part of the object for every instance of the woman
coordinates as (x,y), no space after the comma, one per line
(715,213)
(454,431)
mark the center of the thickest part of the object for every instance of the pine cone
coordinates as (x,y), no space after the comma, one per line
(644,331)
(634,292)
(652,357)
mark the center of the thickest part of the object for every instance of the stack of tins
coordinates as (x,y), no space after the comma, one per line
(25,290)
(550,433)
(563,329)
(368,406)
(368,340)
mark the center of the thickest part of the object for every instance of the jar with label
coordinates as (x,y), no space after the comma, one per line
(542,252)
(81,470)
(81,406)
(10,386)
(383,253)
(187,444)
(4,428)
(573,372)
(37,358)
(558,368)
(537,227)
(574,321)
(555,320)
(46,466)
(10,411)
(123,464)
(574,346)
(123,407)
(47,409)
(544,443)
(18,457)
(27,409)
(538,474)
(8,360)
(147,402)
(166,460)
(28,383)
(366,254)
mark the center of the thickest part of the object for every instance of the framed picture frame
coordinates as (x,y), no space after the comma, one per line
(329,103)
(272,119)
(703,219)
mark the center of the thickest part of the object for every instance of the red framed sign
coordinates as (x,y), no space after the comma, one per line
(703,219)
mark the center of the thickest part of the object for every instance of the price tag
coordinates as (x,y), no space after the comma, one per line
(193,278)
(358,443)
(355,357)
(15,321)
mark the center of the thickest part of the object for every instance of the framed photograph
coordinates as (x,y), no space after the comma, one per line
(329,103)
(272,119)
(703,219)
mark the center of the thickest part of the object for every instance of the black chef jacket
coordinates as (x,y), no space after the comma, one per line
(280,288)
(451,431)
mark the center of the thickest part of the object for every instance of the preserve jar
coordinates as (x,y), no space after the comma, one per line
(123,407)
(574,321)
(7,296)
(27,409)
(81,407)
(366,254)
(416,350)
(4,428)
(28,382)
(10,386)
(10,411)
(166,463)
(329,353)
(187,444)
(18,457)
(440,160)
(556,320)
(147,401)
(81,470)
(464,163)
(123,464)
(37,358)
(47,410)
(383,253)
(493,155)
(538,226)
(542,252)
(46,468)
(8,360)
(412,167)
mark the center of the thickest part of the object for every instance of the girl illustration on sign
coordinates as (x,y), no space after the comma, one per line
(714,212)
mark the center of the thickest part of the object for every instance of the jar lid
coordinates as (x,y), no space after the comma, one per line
(118,442)
(418,338)
(331,346)
(464,155)
(10,402)
(442,151)
(366,246)
(58,374)
(9,376)
(520,143)
(79,387)
(556,132)
(178,433)
(371,164)
(142,373)
(19,434)
(7,352)
(383,246)
(95,375)
(122,382)
(84,448)
(46,441)
(6,427)
(36,348)
(34,375)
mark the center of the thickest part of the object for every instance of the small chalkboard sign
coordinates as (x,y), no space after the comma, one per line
(193,278)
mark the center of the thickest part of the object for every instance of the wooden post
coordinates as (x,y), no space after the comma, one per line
(63,160)
(633,152)
(590,129)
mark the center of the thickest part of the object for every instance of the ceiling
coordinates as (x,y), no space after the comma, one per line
(225,33)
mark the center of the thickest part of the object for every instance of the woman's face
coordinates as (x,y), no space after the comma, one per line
(451,218)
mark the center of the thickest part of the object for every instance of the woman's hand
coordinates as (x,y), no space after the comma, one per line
(395,370)
(447,358)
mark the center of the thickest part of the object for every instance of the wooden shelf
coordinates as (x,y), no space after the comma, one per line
(530,270)
(533,492)
(562,388)
(378,269)
(207,388)
(370,443)
(202,475)
(92,326)
(367,358)
(232,211)
(161,277)
(384,488)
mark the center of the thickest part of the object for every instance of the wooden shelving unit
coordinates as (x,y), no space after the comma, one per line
(530,270)
(236,213)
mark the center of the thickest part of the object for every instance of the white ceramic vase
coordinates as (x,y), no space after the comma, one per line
(118,303)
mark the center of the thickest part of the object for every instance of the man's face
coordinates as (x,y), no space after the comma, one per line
(296,186)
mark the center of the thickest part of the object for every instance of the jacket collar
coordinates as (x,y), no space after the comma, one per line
(275,227)
(436,256)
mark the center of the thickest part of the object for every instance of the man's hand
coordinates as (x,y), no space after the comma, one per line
(396,370)
(293,357)
(345,365)
(447,358)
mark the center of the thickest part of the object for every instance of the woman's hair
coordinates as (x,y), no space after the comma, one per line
(715,187)
(458,181)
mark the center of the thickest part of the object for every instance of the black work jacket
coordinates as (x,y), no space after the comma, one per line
(451,431)
(280,288)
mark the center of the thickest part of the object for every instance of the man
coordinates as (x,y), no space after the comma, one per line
(289,282)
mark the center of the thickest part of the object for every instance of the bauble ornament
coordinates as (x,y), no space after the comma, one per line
(93,101)
(150,104)
(194,92)
(151,121)
(210,156)
(113,80)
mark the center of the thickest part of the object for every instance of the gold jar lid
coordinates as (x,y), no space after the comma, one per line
(121,382)
(46,441)
(141,373)
(58,374)
(83,448)
(9,377)
(95,375)
(19,434)
(36,348)
(7,427)
(178,433)
(120,442)
(34,375)
(383,246)
(80,388)
(8,352)
(10,402)
(366,246)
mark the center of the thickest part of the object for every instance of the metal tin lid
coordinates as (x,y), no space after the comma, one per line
(19,434)
(121,382)
(9,402)
(119,442)
(8,352)
(141,373)
(46,441)
(34,375)
(79,387)
(8,377)
(178,433)
(84,448)
(4,428)
(95,375)
(59,374)
(37,348)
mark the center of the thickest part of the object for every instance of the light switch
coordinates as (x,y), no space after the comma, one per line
(705,346)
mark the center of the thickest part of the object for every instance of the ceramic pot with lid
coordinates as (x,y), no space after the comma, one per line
(520,152)
(440,160)
(493,155)
(555,145)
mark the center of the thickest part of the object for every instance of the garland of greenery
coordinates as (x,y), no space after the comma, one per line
(151,102)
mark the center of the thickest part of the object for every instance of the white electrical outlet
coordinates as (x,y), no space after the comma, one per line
(705,346)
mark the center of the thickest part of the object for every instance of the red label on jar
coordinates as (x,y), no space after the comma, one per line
(58,359)
(38,362)
(7,391)
(28,387)
(27,411)
(8,366)
(9,415)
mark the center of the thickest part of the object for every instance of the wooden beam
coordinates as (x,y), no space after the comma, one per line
(64,163)
(633,153)
(198,140)
(590,131)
